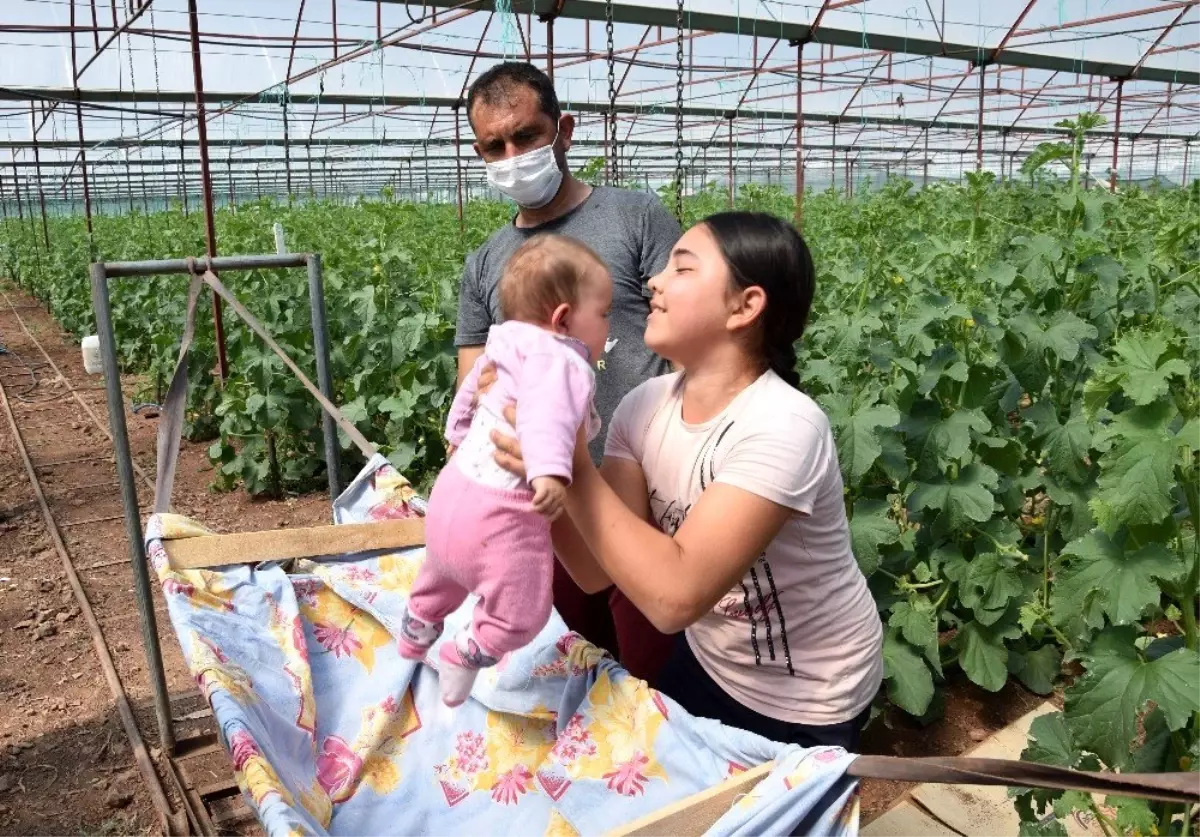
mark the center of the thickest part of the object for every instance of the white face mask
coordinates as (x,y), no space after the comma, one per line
(531,179)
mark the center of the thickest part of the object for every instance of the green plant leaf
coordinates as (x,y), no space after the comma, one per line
(1062,336)
(1066,446)
(1138,370)
(1102,707)
(968,498)
(918,625)
(1137,475)
(1038,669)
(1102,579)
(990,583)
(870,528)
(909,683)
(1133,815)
(1051,742)
(982,654)
(858,439)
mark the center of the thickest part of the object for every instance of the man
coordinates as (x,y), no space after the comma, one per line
(523,136)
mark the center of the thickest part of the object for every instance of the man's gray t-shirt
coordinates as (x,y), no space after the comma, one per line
(633,233)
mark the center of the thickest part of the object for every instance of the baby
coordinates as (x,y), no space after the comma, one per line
(488,531)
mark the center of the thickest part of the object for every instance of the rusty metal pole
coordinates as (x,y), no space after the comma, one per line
(550,48)
(1187,146)
(732,188)
(37,167)
(1132,145)
(87,192)
(1112,179)
(287,150)
(799,136)
(979,124)
(462,223)
(1157,152)
(182,173)
(833,160)
(17,192)
(925,163)
(1003,154)
(210,227)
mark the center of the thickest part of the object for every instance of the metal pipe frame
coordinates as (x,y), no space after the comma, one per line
(587,10)
(101,274)
(734,25)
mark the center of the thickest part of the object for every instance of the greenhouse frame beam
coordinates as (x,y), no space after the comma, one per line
(415,144)
(23,94)
(1075,24)
(735,25)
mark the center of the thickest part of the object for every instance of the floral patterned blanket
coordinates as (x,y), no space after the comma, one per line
(332,732)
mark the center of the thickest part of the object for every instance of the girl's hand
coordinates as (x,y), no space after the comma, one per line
(508,448)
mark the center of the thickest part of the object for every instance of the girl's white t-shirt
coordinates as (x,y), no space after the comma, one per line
(799,639)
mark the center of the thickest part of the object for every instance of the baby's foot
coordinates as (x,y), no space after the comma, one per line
(416,636)
(458,663)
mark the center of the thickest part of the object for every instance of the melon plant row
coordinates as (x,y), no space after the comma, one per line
(1011,371)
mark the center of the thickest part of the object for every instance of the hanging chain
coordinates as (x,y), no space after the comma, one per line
(612,94)
(679,111)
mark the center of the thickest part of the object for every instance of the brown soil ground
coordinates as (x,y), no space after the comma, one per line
(65,762)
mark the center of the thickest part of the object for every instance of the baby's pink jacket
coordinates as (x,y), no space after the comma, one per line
(552,382)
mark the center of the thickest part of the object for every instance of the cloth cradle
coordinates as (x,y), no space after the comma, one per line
(331,732)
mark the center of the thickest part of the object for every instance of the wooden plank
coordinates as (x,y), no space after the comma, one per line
(907,820)
(285,544)
(695,814)
(980,810)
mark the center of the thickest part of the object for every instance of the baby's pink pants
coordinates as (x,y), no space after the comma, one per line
(488,541)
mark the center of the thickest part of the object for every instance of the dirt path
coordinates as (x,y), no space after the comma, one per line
(65,764)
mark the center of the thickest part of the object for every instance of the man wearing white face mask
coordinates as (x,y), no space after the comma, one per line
(522,136)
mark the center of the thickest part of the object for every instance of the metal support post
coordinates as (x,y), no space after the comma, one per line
(462,223)
(799,214)
(316,301)
(133,520)
(732,187)
(210,229)
(1112,180)
(979,123)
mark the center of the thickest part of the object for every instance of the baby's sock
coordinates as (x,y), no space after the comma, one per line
(416,636)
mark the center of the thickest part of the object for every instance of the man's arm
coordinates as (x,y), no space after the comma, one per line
(474,319)
(467,355)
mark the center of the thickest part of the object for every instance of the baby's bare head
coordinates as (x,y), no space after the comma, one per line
(545,272)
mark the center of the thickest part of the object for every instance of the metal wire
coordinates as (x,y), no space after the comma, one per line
(611,119)
(679,110)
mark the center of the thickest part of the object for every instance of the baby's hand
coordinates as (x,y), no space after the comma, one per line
(549,494)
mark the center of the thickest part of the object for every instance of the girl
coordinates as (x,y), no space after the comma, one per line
(718,510)
(487,531)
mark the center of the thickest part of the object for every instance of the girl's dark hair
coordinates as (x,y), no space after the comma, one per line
(764,251)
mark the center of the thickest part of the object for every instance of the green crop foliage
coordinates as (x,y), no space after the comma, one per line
(1010,370)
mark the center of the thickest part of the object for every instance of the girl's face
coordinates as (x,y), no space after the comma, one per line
(692,302)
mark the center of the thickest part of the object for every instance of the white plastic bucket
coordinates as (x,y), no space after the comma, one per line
(91,355)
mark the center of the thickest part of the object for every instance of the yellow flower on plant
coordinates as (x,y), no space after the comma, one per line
(969,322)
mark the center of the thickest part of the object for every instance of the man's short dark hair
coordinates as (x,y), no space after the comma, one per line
(497,85)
